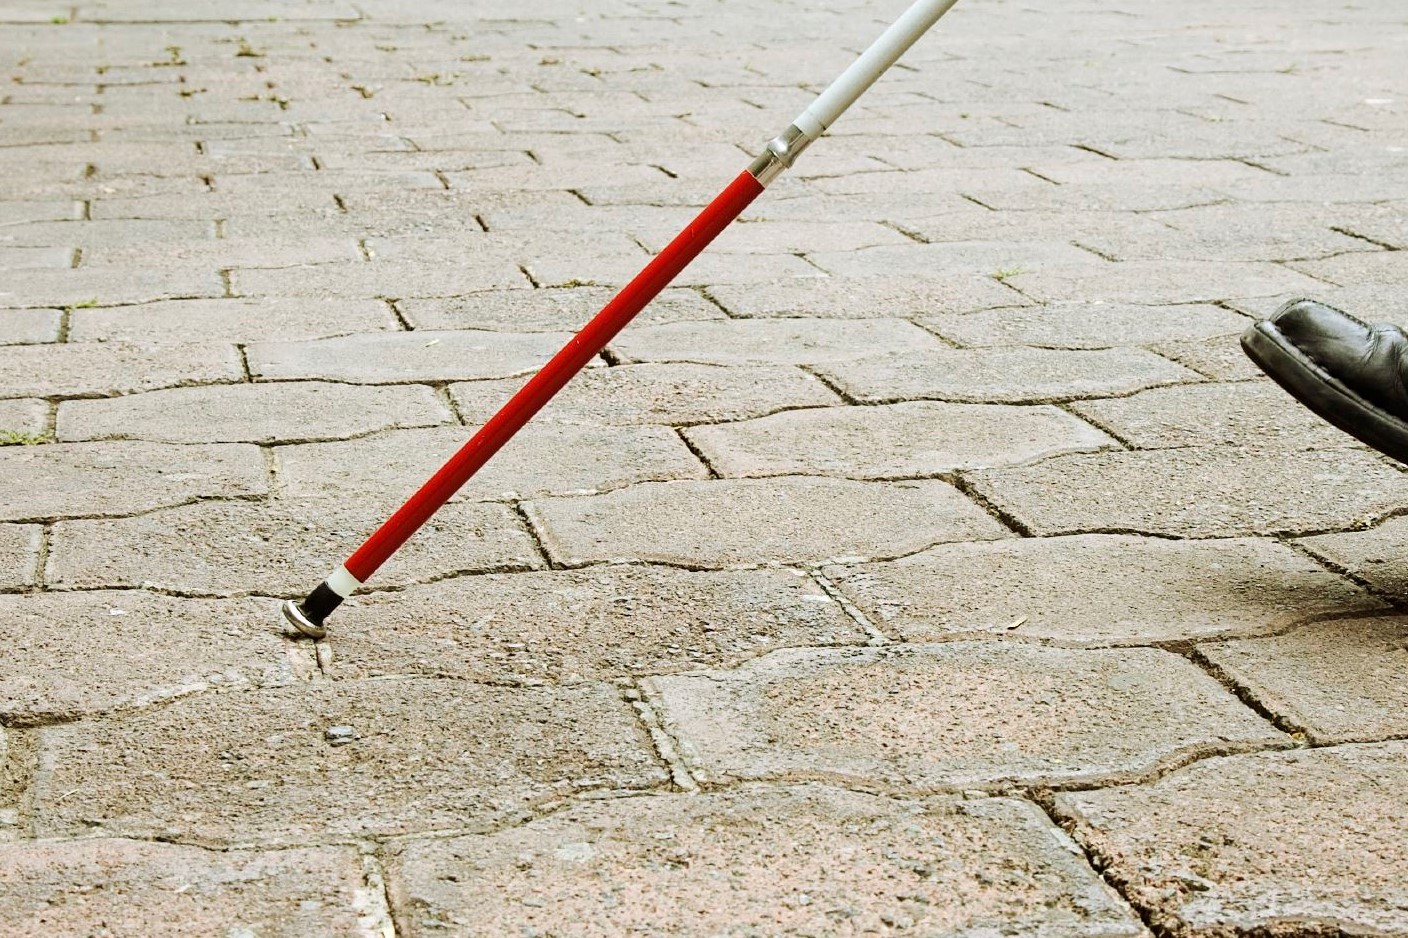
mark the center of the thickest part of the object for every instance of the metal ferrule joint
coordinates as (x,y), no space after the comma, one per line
(781,152)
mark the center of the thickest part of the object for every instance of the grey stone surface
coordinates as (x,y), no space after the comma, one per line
(771,342)
(252,766)
(1160,282)
(261,319)
(544,459)
(1002,375)
(673,393)
(594,624)
(72,654)
(398,357)
(1197,492)
(93,370)
(908,440)
(19,554)
(281,547)
(867,297)
(29,326)
(1256,415)
(1343,681)
(789,519)
(952,716)
(1083,325)
(1076,590)
(1286,841)
(1374,555)
(65,480)
(21,416)
(833,857)
(1220,357)
(562,310)
(132,887)
(252,413)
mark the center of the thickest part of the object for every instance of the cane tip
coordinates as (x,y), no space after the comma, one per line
(293,614)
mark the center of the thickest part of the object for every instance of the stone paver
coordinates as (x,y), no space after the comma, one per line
(249,766)
(770,341)
(87,666)
(276,548)
(1076,590)
(1083,325)
(28,326)
(1287,842)
(672,393)
(1219,357)
(400,357)
(548,310)
(837,862)
(791,519)
(22,416)
(261,319)
(1258,415)
(94,370)
(544,459)
(1197,492)
(122,478)
(593,624)
(167,890)
(252,413)
(864,297)
(955,715)
(1375,556)
(1160,282)
(892,441)
(1344,680)
(19,554)
(1002,375)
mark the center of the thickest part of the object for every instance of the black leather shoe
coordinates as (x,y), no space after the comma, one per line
(1347,371)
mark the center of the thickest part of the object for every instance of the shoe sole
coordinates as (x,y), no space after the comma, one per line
(1329,397)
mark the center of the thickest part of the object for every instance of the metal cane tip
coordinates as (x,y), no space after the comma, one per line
(293,614)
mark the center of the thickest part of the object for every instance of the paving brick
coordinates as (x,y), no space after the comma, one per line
(1254,414)
(1083,325)
(1197,492)
(594,624)
(19,554)
(543,459)
(770,342)
(564,310)
(864,297)
(359,279)
(29,326)
(252,413)
(19,415)
(92,369)
(108,285)
(1280,842)
(1219,357)
(87,665)
(77,233)
(1374,556)
(939,260)
(1158,283)
(1384,269)
(66,480)
(1001,375)
(20,211)
(755,521)
(125,887)
(277,548)
(1076,590)
(673,393)
(251,767)
(837,862)
(406,356)
(1238,231)
(892,441)
(1343,681)
(266,319)
(954,715)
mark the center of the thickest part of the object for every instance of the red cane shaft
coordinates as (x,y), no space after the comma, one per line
(573,357)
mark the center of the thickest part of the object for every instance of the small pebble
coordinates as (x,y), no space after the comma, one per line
(339,735)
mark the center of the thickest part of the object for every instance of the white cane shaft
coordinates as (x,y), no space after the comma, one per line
(873,62)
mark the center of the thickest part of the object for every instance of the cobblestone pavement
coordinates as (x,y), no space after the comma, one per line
(927,561)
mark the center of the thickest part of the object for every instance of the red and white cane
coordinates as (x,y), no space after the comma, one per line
(309,615)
